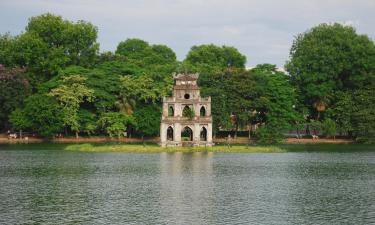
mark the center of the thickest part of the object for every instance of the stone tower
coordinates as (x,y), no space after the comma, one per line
(186,119)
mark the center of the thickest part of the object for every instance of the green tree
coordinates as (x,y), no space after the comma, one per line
(87,121)
(141,53)
(363,114)
(342,111)
(19,120)
(140,89)
(28,50)
(6,41)
(326,59)
(78,40)
(329,128)
(105,86)
(14,88)
(48,45)
(147,118)
(70,94)
(213,59)
(274,102)
(115,123)
(41,114)
(232,93)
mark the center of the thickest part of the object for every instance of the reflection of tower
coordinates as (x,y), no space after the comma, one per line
(186,188)
(186,118)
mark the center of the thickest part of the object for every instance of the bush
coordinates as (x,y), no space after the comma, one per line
(267,135)
(329,128)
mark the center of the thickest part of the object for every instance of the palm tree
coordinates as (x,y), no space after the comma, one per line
(320,106)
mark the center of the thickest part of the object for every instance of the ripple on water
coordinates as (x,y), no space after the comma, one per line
(50,187)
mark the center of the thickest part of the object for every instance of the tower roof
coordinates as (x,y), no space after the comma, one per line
(186,76)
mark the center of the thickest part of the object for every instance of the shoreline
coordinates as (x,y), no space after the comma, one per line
(154,148)
(155,140)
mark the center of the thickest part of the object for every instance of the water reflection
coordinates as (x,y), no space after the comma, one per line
(51,187)
(186,187)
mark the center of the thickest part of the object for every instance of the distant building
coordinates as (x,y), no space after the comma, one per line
(186,119)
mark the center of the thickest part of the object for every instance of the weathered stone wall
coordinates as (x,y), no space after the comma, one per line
(186,92)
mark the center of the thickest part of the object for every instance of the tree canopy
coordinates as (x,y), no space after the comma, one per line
(53,79)
(330,66)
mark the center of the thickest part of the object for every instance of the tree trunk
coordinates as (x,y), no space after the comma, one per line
(250,128)
(235,131)
(76,134)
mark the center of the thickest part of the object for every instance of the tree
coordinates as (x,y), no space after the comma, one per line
(41,114)
(70,94)
(6,41)
(232,93)
(28,50)
(105,86)
(363,114)
(143,54)
(86,121)
(147,118)
(342,111)
(133,48)
(140,89)
(19,120)
(329,128)
(275,98)
(326,59)
(14,88)
(115,123)
(48,45)
(78,40)
(213,59)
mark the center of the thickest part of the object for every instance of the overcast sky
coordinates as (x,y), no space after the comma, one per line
(263,30)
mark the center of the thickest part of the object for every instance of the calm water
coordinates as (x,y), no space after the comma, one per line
(56,187)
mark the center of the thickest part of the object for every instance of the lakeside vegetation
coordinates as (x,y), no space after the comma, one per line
(55,81)
(153,148)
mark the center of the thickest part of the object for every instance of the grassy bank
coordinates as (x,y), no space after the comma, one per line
(156,149)
(153,148)
(221,148)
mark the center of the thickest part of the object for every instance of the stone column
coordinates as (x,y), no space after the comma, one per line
(209,133)
(177,132)
(163,134)
(197,133)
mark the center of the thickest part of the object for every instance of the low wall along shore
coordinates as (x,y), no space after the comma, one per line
(239,140)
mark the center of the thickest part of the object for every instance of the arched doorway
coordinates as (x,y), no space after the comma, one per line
(187,134)
(203,112)
(170,134)
(203,134)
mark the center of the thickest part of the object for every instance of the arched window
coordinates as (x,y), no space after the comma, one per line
(203,134)
(188,112)
(170,111)
(203,112)
(170,134)
(187,134)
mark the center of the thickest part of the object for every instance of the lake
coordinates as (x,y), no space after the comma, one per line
(59,187)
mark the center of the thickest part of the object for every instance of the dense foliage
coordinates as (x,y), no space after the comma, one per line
(53,80)
(14,88)
(331,66)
